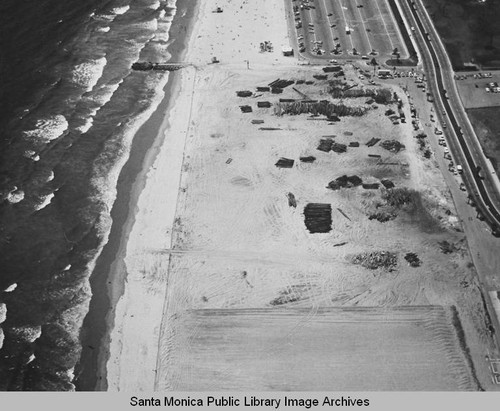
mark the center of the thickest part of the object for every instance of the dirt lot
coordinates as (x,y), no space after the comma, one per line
(469,29)
(486,122)
(262,349)
(239,244)
(473,90)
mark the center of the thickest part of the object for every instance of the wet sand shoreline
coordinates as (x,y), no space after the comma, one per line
(107,290)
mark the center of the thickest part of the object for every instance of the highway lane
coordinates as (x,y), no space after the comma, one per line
(463,154)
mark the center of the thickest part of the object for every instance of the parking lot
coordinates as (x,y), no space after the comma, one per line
(346,28)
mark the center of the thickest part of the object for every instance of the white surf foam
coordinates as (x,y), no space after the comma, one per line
(120,10)
(87,74)
(45,201)
(48,129)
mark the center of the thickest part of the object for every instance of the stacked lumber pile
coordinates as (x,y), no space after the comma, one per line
(393,146)
(372,142)
(246,109)
(318,217)
(325,145)
(413,259)
(353,144)
(376,259)
(308,159)
(371,186)
(320,76)
(284,163)
(244,93)
(281,83)
(345,182)
(263,88)
(265,104)
(339,148)
(257,121)
(276,90)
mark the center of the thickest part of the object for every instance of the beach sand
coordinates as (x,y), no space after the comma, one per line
(209,226)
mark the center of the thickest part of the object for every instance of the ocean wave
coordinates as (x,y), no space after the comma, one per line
(104,29)
(48,129)
(15,196)
(44,201)
(87,74)
(120,10)
(31,154)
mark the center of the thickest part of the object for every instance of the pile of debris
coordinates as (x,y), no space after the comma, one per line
(244,93)
(376,259)
(382,217)
(266,46)
(284,163)
(320,76)
(323,107)
(387,183)
(371,186)
(413,260)
(345,182)
(447,247)
(263,88)
(292,202)
(393,146)
(318,217)
(353,144)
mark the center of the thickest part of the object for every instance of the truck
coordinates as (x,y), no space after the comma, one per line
(460,169)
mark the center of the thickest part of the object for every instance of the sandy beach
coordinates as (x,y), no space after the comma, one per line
(210,228)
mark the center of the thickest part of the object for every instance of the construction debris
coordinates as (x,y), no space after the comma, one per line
(348,133)
(292,202)
(287,100)
(331,69)
(269,128)
(345,182)
(387,183)
(447,247)
(276,90)
(372,142)
(374,155)
(382,217)
(376,259)
(265,104)
(257,121)
(353,144)
(325,145)
(284,163)
(371,186)
(228,161)
(244,93)
(263,88)
(318,217)
(308,159)
(413,260)
(393,146)
(246,109)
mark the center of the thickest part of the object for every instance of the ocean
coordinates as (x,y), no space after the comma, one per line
(70,106)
